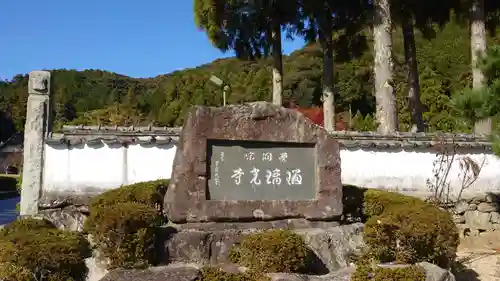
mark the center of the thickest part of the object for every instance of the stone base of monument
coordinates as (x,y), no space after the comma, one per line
(191,272)
(333,246)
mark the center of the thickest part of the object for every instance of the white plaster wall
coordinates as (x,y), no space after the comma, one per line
(408,171)
(147,163)
(84,168)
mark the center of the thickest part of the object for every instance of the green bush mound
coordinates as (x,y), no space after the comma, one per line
(32,249)
(26,224)
(122,222)
(408,230)
(149,193)
(124,232)
(275,250)
(375,201)
(367,273)
(215,274)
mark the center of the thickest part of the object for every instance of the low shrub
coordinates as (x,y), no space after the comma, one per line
(124,233)
(31,248)
(26,224)
(367,273)
(375,201)
(215,274)
(150,193)
(408,230)
(272,251)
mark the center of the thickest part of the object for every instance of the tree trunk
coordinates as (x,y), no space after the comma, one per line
(277,64)
(326,40)
(387,114)
(478,49)
(414,103)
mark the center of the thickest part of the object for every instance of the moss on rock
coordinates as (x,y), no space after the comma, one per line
(272,251)
(216,274)
(367,273)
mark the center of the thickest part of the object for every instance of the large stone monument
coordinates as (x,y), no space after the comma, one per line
(253,162)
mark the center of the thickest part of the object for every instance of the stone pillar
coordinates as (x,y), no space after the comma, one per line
(36,129)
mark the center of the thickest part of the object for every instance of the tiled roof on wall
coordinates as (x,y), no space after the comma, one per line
(348,139)
(96,135)
(351,139)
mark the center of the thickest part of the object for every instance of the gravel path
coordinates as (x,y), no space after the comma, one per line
(480,257)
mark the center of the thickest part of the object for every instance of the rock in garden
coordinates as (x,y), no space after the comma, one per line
(461,207)
(472,207)
(458,219)
(495,217)
(341,275)
(69,218)
(334,246)
(163,273)
(478,220)
(432,273)
(436,273)
(487,207)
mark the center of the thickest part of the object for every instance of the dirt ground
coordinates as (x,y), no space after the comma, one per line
(479,258)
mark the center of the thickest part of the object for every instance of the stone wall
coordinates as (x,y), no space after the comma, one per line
(478,214)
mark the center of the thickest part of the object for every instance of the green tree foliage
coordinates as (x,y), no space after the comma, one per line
(472,105)
(101,97)
(475,104)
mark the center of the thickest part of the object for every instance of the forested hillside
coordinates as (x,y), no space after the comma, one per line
(101,97)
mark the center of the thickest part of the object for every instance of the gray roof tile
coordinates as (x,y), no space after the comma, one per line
(95,135)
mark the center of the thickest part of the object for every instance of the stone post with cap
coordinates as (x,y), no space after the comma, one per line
(35,131)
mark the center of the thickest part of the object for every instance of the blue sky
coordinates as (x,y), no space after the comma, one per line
(135,38)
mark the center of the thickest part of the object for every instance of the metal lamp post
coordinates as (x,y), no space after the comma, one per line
(225,87)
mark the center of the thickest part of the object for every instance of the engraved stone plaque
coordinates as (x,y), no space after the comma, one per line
(252,170)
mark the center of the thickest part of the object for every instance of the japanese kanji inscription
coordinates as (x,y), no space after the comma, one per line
(250,170)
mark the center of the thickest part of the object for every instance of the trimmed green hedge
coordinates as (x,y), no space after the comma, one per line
(408,230)
(122,223)
(31,247)
(376,202)
(124,233)
(149,193)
